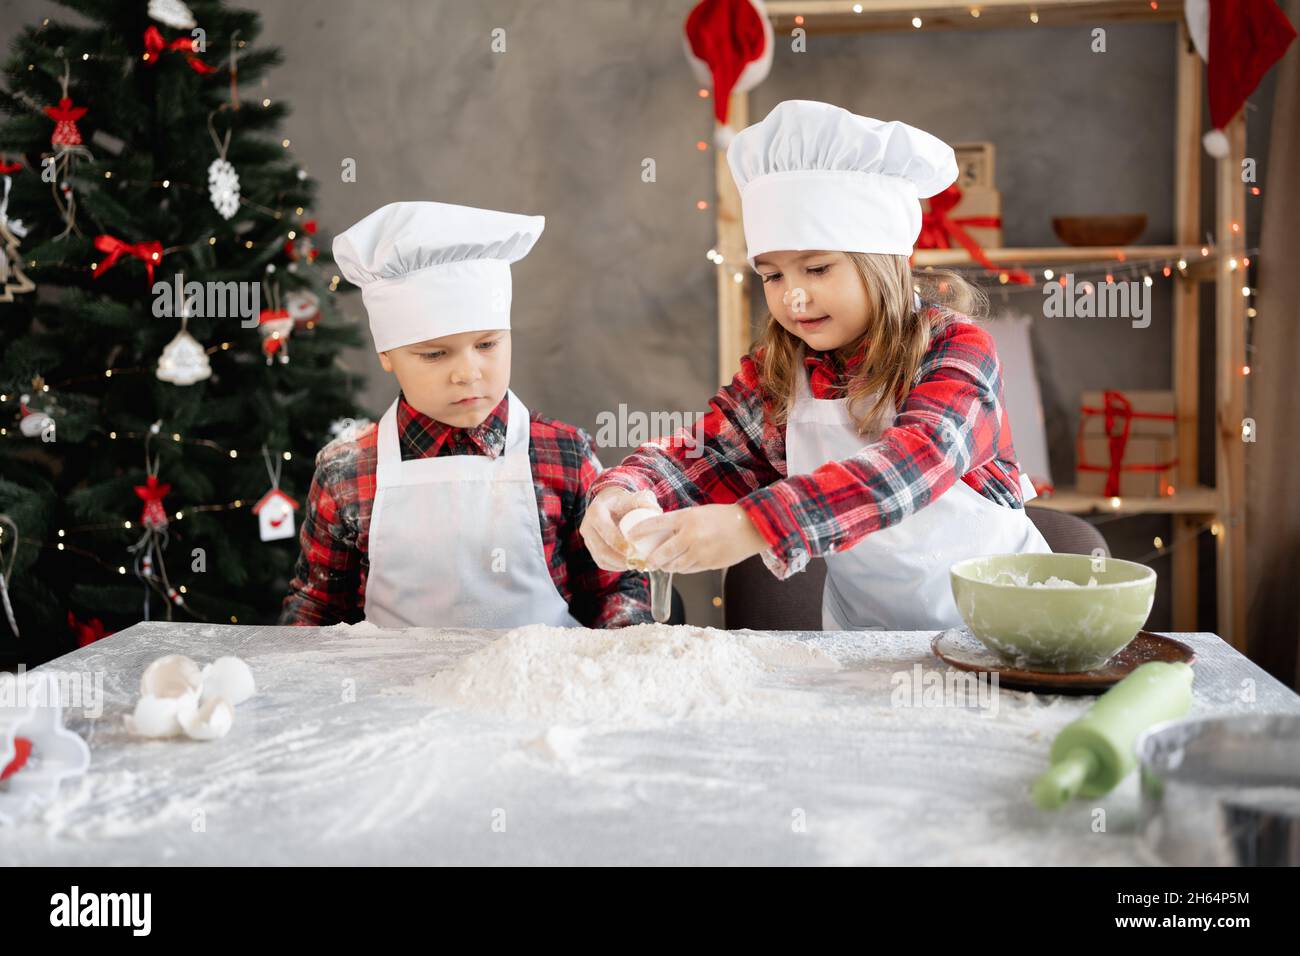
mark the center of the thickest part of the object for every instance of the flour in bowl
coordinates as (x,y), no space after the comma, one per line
(645,673)
(1021,580)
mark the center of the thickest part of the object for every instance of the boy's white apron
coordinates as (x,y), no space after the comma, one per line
(897,578)
(456,540)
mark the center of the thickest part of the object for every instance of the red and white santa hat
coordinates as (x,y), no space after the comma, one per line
(1239,40)
(729,47)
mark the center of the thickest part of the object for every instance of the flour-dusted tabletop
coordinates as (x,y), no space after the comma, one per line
(340,759)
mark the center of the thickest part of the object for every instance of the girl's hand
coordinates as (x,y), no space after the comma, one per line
(702,538)
(599,528)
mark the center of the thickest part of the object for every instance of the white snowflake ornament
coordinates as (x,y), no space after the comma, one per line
(223,187)
(173,13)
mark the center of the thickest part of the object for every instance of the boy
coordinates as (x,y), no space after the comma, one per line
(459,509)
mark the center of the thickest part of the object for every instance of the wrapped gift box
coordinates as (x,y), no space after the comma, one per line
(979,195)
(1126,443)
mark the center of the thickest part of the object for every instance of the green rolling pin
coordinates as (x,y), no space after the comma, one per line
(1090,756)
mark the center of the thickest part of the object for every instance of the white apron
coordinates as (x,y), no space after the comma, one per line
(456,540)
(897,578)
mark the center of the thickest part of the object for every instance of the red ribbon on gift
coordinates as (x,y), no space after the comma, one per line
(152,516)
(154,45)
(1119,420)
(146,252)
(939,229)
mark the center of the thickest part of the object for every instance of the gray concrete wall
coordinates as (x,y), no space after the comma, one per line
(616,304)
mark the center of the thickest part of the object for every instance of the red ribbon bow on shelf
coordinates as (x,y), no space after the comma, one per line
(154,44)
(147,252)
(1119,419)
(938,230)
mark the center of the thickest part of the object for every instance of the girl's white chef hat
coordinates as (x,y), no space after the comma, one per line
(815,176)
(429,269)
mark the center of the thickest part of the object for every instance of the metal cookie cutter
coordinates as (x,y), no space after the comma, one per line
(1221,791)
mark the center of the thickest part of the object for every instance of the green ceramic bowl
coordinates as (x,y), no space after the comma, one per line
(1062,626)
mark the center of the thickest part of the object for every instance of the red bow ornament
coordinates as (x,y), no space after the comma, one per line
(152,516)
(939,229)
(86,632)
(155,45)
(150,253)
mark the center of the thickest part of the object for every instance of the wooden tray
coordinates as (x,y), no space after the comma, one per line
(960,648)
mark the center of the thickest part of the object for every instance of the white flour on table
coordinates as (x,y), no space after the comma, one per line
(645,673)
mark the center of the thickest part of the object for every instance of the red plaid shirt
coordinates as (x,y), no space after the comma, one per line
(957,392)
(329,583)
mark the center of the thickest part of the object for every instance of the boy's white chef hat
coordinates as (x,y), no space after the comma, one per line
(815,176)
(429,269)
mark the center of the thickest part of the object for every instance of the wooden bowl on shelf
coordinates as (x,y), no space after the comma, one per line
(1117,230)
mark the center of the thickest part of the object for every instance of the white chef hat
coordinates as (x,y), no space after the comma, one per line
(815,176)
(429,269)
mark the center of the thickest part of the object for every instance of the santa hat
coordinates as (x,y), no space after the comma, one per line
(729,47)
(1239,40)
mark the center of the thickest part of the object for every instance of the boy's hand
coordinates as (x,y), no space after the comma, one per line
(599,528)
(700,539)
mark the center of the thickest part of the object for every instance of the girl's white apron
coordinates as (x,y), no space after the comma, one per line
(456,540)
(897,578)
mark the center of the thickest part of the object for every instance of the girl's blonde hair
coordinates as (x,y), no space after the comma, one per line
(893,344)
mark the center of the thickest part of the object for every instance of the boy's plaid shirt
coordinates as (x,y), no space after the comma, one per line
(952,426)
(329,583)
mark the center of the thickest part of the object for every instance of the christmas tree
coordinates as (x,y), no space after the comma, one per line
(168,337)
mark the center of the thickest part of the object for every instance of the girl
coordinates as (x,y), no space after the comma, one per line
(866,426)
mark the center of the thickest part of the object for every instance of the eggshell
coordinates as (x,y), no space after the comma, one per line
(228,677)
(207,720)
(156,716)
(644,548)
(172,676)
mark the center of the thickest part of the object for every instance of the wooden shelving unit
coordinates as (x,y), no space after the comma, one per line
(1192,504)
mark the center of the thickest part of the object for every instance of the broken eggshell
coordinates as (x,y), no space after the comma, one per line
(172,676)
(229,678)
(157,716)
(637,551)
(206,720)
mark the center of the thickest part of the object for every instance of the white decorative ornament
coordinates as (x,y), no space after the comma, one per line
(184,361)
(223,187)
(275,515)
(302,305)
(34,422)
(173,13)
